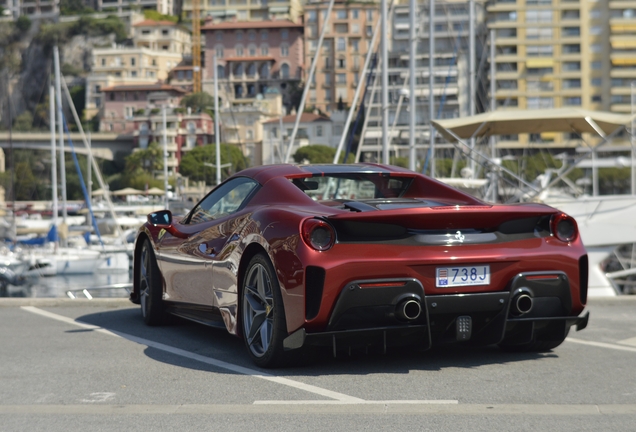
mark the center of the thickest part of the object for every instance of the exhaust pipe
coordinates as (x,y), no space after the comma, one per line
(408,309)
(521,304)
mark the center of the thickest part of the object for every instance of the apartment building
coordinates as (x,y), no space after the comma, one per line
(165,7)
(621,65)
(314,129)
(245,10)
(184,131)
(451,77)
(555,53)
(165,36)
(123,103)
(242,124)
(344,47)
(253,56)
(16,8)
(158,47)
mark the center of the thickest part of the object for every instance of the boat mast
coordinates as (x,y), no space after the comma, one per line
(431,82)
(384,49)
(312,70)
(217,138)
(53,161)
(493,106)
(471,83)
(60,128)
(412,96)
(165,154)
(356,96)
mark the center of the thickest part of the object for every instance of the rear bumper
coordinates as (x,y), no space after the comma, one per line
(366,314)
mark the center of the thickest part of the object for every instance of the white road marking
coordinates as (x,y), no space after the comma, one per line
(601,345)
(207,360)
(361,402)
(630,341)
(396,409)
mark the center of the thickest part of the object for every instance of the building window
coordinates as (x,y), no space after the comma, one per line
(540,102)
(341,14)
(355,13)
(284,50)
(341,63)
(264,71)
(219,51)
(284,34)
(264,49)
(341,44)
(539,50)
(319,130)
(284,71)
(572,83)
(355,45)
(103,62)
(596,82)
(251,49)
(369,15)
(597,65)
(538,16)
(355,28)
(572,100)
(133,61)
(251,35)
(341,78)
(264,35)
(218,36)
(239,50)
(220,71)
(239,35)
(312,16)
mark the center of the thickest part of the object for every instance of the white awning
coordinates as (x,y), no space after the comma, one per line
(512,122)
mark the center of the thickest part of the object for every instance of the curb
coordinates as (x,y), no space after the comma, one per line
(48,302)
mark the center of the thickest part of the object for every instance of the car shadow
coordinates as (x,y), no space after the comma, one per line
(218,344)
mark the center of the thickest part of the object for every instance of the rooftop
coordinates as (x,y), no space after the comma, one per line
(238,25)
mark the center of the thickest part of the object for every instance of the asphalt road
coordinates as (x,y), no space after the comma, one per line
(94,366)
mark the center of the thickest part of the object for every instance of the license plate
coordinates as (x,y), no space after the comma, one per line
(447,277)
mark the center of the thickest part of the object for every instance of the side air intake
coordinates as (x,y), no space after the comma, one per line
(314,281)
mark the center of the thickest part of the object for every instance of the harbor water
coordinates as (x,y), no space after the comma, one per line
(70,286)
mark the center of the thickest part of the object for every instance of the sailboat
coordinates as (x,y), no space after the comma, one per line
(66,260)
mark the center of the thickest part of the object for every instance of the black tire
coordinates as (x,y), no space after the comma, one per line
(150,286)
(534,345)
(262,314)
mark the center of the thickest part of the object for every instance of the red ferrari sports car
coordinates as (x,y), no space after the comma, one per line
(359,256)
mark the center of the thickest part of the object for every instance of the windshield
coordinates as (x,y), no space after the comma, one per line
(353,186)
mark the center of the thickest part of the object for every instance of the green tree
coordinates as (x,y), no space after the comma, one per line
(23,24)
(74,7)
(199,163)
(316,154)
(146,160)
(199,102)
(155,15)
(23,122)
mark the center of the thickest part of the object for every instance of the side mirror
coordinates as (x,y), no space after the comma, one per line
(162,219)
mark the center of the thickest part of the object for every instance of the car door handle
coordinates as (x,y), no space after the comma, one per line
(204,249)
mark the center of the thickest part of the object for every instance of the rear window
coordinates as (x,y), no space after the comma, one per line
(353,186)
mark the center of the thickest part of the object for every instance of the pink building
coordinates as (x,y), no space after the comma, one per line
(184,131)
(122,103)
(252,56)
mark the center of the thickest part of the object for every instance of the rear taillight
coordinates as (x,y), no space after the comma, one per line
(318,234)
(564,227)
